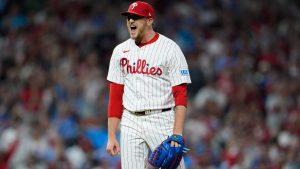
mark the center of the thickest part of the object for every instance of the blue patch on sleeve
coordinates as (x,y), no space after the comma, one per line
(184,72)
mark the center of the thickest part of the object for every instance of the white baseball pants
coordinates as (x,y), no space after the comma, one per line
(141,132)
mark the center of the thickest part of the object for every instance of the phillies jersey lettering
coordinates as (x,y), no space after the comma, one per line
(140,67)
(148,73)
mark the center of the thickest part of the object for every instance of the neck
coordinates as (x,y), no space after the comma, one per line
(147,37)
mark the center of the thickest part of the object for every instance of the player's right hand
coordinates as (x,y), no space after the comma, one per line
(113,147)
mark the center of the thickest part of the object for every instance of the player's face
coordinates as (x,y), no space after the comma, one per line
(136,26)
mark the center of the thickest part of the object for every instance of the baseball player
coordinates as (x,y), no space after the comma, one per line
(148,77)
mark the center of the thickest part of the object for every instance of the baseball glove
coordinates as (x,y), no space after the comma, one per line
(168,157)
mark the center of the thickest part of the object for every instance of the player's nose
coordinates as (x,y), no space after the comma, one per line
(130,20)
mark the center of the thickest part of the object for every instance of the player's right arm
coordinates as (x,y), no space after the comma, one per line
(115,105)
(115,109)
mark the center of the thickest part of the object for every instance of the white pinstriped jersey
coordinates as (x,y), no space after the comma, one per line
(148,73)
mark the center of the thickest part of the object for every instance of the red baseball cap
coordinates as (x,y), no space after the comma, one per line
(140,8)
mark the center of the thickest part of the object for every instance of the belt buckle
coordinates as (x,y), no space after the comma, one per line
(147,112)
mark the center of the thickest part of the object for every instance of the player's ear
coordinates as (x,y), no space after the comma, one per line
(150,21)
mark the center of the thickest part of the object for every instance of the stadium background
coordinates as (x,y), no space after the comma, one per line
(244,102)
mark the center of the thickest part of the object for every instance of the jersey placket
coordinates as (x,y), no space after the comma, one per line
(142,54)
(138,79)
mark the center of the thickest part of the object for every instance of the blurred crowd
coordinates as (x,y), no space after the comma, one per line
(244,61)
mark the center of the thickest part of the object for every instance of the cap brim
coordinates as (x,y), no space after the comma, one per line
(131,13)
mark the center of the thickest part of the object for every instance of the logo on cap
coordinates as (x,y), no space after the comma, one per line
(140,8)
(134,5)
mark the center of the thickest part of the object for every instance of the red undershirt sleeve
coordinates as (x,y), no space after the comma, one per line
(115,104)
(180,94)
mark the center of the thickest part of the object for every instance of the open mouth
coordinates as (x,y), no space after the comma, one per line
(133,27)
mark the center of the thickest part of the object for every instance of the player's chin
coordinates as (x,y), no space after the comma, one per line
(133,36)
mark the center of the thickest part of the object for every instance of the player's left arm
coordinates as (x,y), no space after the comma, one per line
(180,97)
(179,78)
(180,112)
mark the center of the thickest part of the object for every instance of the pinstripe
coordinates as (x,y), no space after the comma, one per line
(132,146)
(159,52)
(164,53)
(153,55)
(153,128)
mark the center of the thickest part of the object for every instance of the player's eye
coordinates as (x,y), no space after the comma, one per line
(134,17)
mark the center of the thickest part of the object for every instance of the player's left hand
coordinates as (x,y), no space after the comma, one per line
(169,153)
(175,144)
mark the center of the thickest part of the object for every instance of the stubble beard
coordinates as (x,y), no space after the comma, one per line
(139,35)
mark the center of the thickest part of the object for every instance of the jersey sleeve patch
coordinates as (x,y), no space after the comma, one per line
(184,72)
